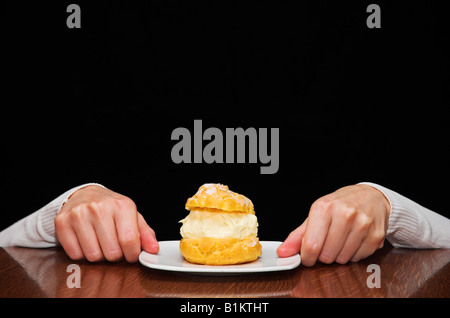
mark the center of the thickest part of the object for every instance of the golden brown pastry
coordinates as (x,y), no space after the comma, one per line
(220,229)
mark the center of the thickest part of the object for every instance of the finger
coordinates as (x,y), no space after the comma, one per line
(68,240)
(88,242)
(368,246)
(107,237)
(335,240)
(315,234)
(351,246)
(128,233)
(148,237)
(293,242)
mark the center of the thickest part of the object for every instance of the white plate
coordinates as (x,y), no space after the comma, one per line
(169,258)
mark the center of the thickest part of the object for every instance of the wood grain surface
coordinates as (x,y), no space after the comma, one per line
(404,273)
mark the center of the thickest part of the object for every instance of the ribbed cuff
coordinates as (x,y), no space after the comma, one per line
(403,222)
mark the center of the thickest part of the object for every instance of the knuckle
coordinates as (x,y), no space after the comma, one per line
(95,207)
(60,222)
(76,256)
(320,204)
(320,207)
(76,214)
(326,258)
(349,213)
(94,256)
(342,260)
(363,223)
(129,239)
(125,204)
(311,247)
(377,238)
(114,255)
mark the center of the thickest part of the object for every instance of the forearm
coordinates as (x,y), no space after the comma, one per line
(412,225)
(37,229)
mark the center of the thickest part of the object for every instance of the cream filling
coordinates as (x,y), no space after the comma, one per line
(237,225)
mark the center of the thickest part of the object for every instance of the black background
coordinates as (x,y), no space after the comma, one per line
(98,104)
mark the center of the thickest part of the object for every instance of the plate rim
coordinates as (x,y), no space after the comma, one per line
(213,269)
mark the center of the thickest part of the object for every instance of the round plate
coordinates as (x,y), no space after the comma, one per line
(169,258)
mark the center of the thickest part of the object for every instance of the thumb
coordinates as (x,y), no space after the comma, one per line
(293,242)
(148,237)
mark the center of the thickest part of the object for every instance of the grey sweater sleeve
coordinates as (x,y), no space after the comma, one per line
(412,225)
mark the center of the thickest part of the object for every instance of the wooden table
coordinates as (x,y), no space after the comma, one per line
(403,273)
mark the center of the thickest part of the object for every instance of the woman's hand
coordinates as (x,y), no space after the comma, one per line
(348,224)
(97,224)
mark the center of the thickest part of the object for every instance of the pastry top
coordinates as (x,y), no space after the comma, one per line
(213,197)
